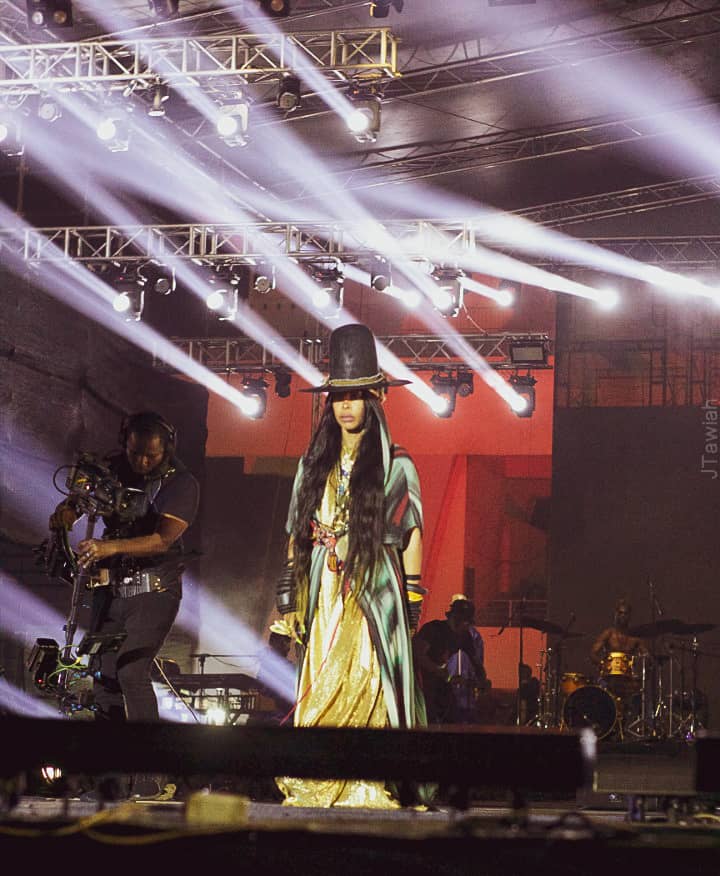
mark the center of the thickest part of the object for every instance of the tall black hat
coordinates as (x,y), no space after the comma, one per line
(353,362)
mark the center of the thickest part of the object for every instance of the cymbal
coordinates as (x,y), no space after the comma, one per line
(659,628)
(684,629)
(545,626)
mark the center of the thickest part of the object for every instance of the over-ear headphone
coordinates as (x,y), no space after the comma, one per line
(148,422)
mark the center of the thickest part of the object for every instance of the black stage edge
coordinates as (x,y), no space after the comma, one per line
(519,759)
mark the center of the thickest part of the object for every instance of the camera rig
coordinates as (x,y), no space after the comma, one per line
(93,490)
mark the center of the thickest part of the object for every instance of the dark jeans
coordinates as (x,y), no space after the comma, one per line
(122,686)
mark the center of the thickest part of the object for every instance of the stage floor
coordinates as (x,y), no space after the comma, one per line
(641,810)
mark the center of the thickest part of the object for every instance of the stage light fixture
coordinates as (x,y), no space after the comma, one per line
(528,352)
(232,122)
(380,273)
(159,94)
(465,383)
(129,298)
(48,109)
(114,130)
(508,291)
(275,8)
(51,14)
(448,299)
(330,280)
(255,389)
(264,282)
(524,385)
(282,383)
(164,9)
(11,141)
(445,386)
(157,277)
(381,8)
(223,300)
(364,120)
(288,97)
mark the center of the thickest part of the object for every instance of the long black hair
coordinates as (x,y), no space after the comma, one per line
(367,497)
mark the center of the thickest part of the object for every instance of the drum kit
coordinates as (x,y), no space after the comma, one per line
(648,695)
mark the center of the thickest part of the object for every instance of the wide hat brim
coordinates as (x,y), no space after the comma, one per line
(333,386)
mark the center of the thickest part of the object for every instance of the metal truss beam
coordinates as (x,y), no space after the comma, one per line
(190,61)
(624,202)
(266,241)
(466,65)
(418,352)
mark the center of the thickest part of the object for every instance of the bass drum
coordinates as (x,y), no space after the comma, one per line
(591,707)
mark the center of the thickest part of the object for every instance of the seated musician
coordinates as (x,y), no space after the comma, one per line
(616,640)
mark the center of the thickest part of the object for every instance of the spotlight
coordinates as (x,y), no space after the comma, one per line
(129,298)
(381,8)
(275,8)
(446,387)
(49,13)
(608,298)
(223,301)
(288,98)
(232,122)
(158,96)
(465,384)
(448,299)
(255,389)
(380,273)
(164,9)
(48,109)
(528,352)
(524,385)
(114,131)
(157,277)
(11,143)
(330,287)
(508,291)
(364,120)
(282,383)
(264,283)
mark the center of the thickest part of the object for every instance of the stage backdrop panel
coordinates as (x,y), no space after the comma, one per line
(633,504)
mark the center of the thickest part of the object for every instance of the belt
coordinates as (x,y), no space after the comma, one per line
(137,583)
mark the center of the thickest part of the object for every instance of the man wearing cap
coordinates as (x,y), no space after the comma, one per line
(450,655)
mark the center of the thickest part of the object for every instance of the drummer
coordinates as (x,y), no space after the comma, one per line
(616,639)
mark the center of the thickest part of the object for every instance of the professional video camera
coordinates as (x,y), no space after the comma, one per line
(94,488)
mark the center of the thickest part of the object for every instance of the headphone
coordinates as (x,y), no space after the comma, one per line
(148,422)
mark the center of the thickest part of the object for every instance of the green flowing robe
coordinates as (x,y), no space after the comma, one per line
(383,598)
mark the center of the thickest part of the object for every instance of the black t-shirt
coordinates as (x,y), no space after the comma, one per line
(442,641)
(175,493)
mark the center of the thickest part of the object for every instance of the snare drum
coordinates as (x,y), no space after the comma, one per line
(572,681)
(616,663)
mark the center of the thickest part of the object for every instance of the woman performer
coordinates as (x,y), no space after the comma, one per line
(351,589)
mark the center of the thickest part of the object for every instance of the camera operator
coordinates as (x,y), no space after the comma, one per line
(135,568)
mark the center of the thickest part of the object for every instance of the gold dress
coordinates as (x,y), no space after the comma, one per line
(340,682)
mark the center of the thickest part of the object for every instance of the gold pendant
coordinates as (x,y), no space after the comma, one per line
(332,561)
